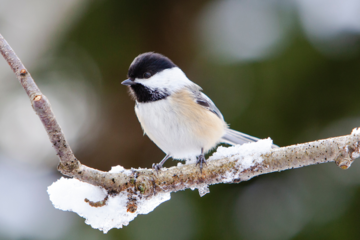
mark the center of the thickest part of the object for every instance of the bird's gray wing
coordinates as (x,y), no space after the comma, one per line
(205,101)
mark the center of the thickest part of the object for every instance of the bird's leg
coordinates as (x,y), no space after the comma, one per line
(158,166)
(201,159)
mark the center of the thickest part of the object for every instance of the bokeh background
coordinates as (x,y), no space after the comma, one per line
(288,69)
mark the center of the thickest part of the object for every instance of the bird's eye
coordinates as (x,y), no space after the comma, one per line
(147,75)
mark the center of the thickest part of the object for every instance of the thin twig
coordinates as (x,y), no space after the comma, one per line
(342,150)
(42,108)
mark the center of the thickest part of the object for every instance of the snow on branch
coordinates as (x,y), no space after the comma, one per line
(112,199)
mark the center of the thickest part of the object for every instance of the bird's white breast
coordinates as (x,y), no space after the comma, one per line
(179,126)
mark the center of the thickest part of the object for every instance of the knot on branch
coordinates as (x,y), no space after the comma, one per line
(69,168)
(344,163)
(23,72)
(131,205)
(40,104)
(348,156)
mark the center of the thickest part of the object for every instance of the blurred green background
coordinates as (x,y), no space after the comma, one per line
(285,69)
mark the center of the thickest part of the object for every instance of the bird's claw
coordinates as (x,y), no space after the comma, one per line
(156,167)
(200,161)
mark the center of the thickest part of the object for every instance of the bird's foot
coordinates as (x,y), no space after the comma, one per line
(157,167)
(200,161)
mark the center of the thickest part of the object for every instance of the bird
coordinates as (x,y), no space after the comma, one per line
(174,112)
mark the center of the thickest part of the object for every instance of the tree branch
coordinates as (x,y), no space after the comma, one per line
(146,182)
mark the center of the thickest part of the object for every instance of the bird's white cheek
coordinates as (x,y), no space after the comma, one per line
(170,79)
(154,82)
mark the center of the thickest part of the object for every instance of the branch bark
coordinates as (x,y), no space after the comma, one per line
(146,182)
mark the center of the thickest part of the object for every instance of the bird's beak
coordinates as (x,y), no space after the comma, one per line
(128,82)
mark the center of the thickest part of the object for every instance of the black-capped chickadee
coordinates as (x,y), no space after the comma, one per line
(180,119)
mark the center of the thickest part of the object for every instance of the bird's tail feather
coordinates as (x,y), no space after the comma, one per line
(233,137)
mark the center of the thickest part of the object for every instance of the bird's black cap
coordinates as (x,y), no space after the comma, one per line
(147,64)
